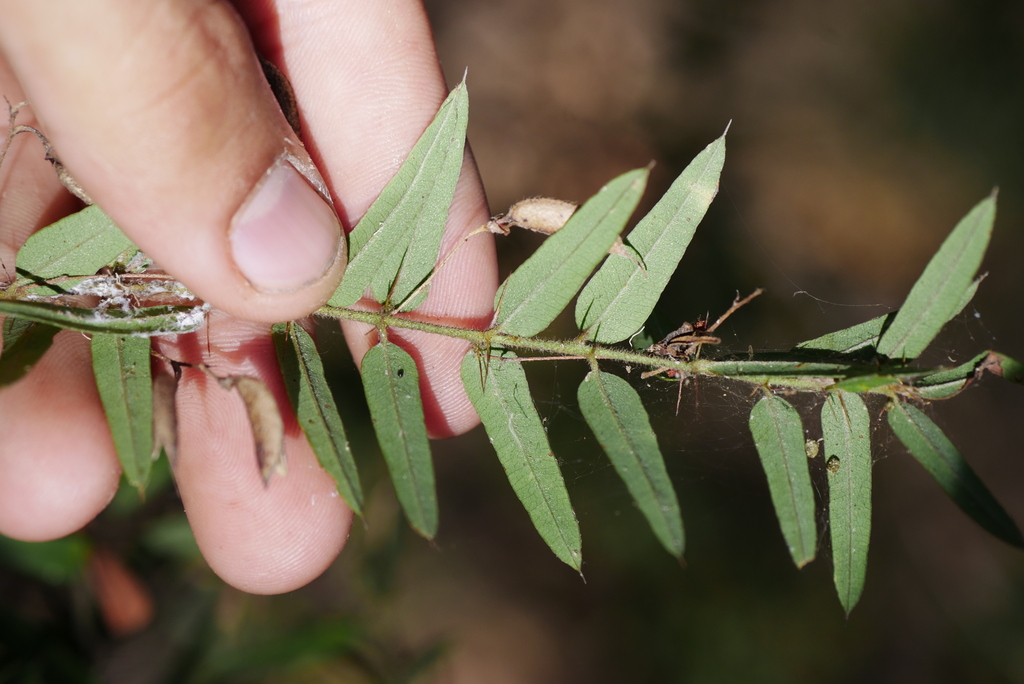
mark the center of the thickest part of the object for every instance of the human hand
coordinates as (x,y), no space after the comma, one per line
(160,112)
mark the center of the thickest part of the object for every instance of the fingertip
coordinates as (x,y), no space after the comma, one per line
(54,481)
(261,538)
(285,237)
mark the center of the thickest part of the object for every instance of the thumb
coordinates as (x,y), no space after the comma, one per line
(161,113)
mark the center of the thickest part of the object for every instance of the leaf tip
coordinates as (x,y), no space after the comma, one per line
(801,561)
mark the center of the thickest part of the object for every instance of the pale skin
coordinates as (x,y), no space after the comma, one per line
(158,110)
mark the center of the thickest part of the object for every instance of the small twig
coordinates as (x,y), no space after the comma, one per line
(13,131)
(736,304)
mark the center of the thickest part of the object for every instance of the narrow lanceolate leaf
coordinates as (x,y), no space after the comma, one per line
(779,438)
(872,382)
(845,427)
(941,290)
(933,450)
(543,285)
(316,410)
(613,411)
(501,397)
(400,234)
(25,343)
(121,365)
(79,244)
(863,336)
(156,320)
(622,294)
(946,383)
(391,383)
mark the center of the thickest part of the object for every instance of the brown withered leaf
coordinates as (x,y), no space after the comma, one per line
(266,421)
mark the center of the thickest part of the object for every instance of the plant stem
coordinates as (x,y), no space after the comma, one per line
(790,371)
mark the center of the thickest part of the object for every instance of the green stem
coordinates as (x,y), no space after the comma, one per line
(787,371)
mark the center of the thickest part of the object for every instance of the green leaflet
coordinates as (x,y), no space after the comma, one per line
(503,402)
(400,234)
(946,383)
(863,337)
(621,296)
(13,328)
(933,450)
(391,383)
(25,343)
(845,426)
(940,292)
(866,383)
(543,285)
(316,410)
(785,368)
(157,320)
(121,365)
(849,340)
(779,438)
(79,244)
(613,411)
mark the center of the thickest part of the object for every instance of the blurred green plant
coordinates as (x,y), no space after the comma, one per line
(394,254)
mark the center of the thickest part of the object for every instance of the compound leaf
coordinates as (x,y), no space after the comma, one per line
(121,365)
(501,396)
(944,287)
(316,409)
(399,235)
(779,438)
(933,450)
(622,294)
(845,427)
(543,285)
(391,383)
(613,410)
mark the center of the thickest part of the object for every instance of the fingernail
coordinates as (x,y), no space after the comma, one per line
(285,236)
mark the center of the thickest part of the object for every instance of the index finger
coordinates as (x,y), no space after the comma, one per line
(368,82)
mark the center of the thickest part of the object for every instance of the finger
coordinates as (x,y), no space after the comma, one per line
(30,194)
(53,480)
(261,539)
(368,83)
(169,125)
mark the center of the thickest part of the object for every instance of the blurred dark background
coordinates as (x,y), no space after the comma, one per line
(861,133)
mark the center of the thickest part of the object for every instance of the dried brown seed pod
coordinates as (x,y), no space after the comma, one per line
(165,416)
(265,419)
(539,214)
(544,215)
